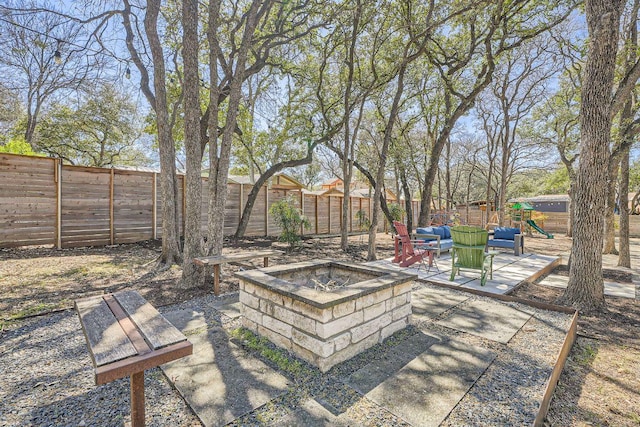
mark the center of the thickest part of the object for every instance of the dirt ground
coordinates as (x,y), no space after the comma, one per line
(42,280)
(599,385)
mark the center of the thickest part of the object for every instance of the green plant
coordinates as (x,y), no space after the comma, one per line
(363,221)
(279,357)
(585,354)
(396,213)
(289,218)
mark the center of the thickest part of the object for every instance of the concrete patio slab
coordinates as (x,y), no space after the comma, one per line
(539,261)
(461,278)
(511,273)
(508,271)
(425,390)
(493,287)
(430,302)
(490,320)
(378,371)
(623,290)
(186,320)
(230,306)
(220,381)
(313,414)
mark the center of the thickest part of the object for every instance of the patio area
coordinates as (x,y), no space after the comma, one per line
(508,271)
(466,359)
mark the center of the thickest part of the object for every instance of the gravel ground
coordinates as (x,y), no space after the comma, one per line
(510,391)
(47,378)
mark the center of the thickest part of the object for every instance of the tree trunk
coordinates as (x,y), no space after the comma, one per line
(504,165)
(262,180)
(489,194)
(627,139)
(219,168)
(348,139)
(192,275)
(31,128)
(168,178)
(447,176)
(425,203)
(214,215)
(371,255)
(585,290)
(407,197)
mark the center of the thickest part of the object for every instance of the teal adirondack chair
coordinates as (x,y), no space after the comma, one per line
(468,252)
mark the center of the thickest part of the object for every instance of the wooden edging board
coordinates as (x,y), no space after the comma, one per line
(550,387)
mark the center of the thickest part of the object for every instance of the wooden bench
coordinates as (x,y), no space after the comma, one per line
(127,335)
(218,260)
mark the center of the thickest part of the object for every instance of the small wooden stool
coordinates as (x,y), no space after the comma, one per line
(127,335)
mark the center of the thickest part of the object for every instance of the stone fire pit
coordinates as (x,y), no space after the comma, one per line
(325,311)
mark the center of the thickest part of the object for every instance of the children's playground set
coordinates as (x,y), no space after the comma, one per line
(520,214)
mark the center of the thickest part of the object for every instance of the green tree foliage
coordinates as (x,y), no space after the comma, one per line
(99,130)
(17,146)
(363,220)
(535,182)
(289,218)
(396,212)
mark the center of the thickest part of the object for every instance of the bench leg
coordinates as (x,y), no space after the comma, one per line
(216,279)
(137,399)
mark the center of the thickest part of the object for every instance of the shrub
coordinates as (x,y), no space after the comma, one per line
(289,218)
(363,220)
(396,213)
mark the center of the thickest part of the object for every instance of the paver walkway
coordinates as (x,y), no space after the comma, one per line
(426,389)
(610,261)
(220,381)
(615,289)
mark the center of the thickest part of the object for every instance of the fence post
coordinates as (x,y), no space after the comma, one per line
(317,214)
(184,203)
(111,179)
(329,215)
(266,210)
(58,180)
(154,208)
(340,212)
(241,200)
(302,210)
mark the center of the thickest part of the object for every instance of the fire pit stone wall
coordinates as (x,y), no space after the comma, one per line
(325,327)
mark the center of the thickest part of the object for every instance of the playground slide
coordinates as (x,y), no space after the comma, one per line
(533,225)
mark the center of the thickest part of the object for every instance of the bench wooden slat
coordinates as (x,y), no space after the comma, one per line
(127,325)
(240,256)
(157,330)
(141,362)
(107,341)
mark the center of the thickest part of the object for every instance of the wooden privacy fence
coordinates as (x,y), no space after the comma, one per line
(555,222)
(43,202)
